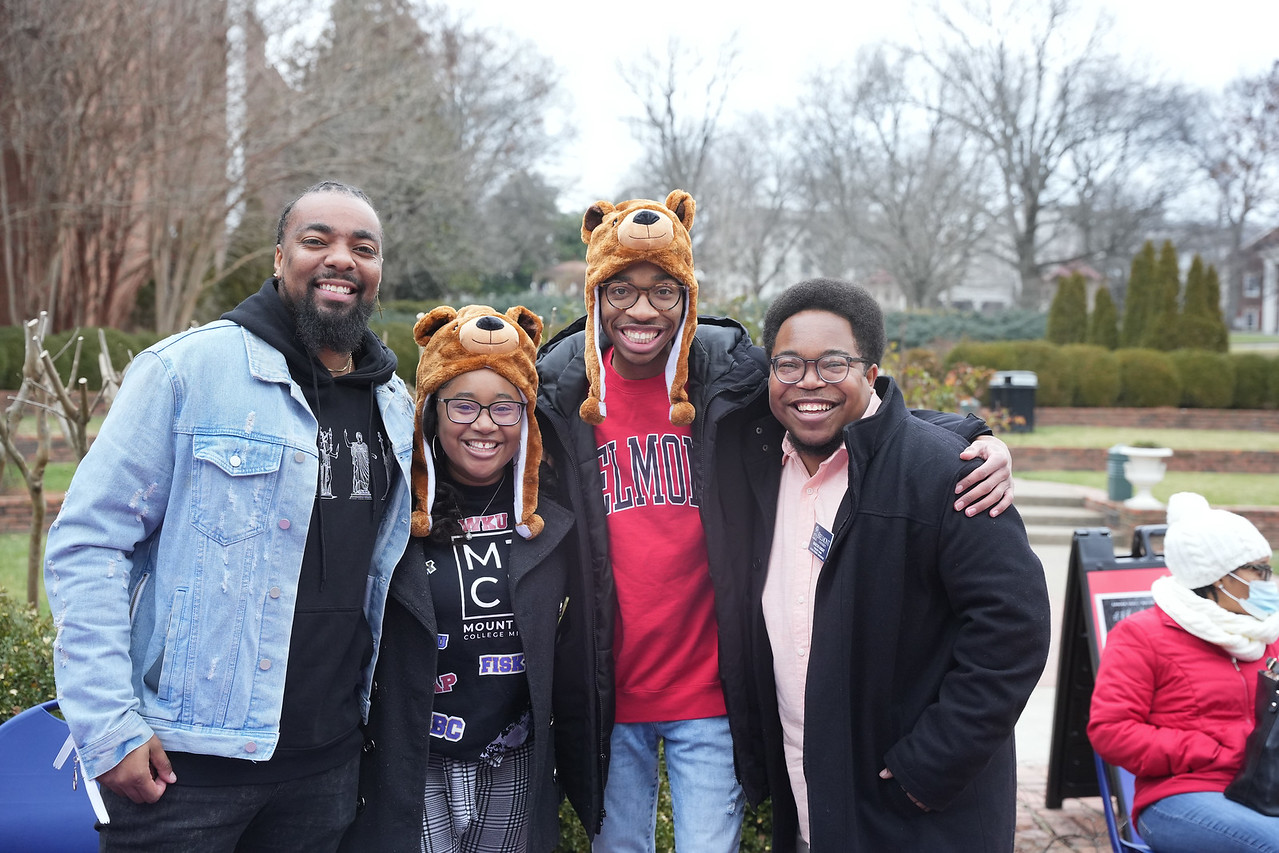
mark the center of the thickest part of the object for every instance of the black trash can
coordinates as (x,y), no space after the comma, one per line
(1014,392)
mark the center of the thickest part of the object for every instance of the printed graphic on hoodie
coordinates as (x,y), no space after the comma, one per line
(351,462)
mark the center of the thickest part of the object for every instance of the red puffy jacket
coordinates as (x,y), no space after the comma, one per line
(1172,708)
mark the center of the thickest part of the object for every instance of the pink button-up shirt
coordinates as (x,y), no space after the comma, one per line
(802,503)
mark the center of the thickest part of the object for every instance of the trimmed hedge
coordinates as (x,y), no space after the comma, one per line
(399,337)
(1252,381)
(1096,371)
(1088,375)
(1207,378)
(1147,378)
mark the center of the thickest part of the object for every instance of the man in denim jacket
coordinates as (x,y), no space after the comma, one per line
(220,566)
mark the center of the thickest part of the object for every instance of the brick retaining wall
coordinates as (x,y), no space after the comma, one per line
(1094,459)
(15,511)
(1164,417)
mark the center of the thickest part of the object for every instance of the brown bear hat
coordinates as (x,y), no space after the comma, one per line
(616,237)
(457,342)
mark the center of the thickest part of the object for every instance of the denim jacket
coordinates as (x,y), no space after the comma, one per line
(172,568)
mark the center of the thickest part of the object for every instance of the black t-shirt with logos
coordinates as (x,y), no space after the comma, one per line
(481,692)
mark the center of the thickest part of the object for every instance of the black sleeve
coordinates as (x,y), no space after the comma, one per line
(968,427)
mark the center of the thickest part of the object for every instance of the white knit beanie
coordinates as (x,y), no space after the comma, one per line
(1203,544)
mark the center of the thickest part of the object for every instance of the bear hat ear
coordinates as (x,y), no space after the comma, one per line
(428,324)
(682,205)
(595,214)
(528,321)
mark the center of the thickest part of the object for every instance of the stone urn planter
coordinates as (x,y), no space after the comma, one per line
(1144,469)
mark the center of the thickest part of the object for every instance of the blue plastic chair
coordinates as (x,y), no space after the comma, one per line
(41,807)
(1123,832)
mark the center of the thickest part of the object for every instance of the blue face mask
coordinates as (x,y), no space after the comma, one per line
(1262,600)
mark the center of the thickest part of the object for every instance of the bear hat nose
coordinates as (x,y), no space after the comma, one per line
(489,324)
(646,217)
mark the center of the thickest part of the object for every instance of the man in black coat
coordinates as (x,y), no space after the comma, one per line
(897,641)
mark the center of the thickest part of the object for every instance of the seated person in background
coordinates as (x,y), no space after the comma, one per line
(1175,691)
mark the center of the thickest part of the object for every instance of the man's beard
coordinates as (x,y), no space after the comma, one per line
(817,451)
(327,330)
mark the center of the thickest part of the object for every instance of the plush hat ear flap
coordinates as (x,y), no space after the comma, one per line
(593,217)
(528,321)
(421,473)
(530,523)
(592,410)
(428,324)
(682,205)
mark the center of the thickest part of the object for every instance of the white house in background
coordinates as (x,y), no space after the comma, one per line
(1258,309)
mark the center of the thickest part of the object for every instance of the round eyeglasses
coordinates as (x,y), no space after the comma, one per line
(622,295)
(831,369)
(461,410)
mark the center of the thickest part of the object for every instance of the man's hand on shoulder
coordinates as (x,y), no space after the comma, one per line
(990,485)
(143,775)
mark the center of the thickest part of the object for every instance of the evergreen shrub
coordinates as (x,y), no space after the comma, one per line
(26,656)
(1096,372)
(1147,378)
(1052,368)
(399,337)
(1207,378)
(1252,381)
(997,355)
(12,354)
(1272,370)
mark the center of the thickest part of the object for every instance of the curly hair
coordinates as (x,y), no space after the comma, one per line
(842,298)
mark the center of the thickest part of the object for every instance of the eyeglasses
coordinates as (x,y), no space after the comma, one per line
(461,410)
(1262,569)
(831,369)
(663,297)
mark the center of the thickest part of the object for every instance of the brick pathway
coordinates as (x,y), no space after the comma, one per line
(1079,824)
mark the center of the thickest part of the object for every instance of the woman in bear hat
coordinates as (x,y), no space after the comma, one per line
(1174,698)
(458,752)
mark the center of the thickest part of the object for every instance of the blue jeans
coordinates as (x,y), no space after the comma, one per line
(308,814)
(706,799)
(1202,821)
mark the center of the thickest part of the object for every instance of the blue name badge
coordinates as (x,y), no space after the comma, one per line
(819,543)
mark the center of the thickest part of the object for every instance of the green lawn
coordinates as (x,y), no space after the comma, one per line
(1177,439)
(1219,489)
(13,568)
(57,476)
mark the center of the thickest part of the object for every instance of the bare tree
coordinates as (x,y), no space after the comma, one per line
(749,214)
(71,152)
(433,118)
(43,394)
(904,188)
(1236,144)
(1031,106)
(683,98)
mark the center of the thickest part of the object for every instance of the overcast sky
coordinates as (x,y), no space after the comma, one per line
(781,42)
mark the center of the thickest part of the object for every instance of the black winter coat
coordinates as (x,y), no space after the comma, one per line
(397,743)
(727,380)
(930,630)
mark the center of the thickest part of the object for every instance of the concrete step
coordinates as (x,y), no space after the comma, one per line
(1059,515)
(1040,535)
(1043,493)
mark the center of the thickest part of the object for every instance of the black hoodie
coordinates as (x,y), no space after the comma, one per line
(331,641)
